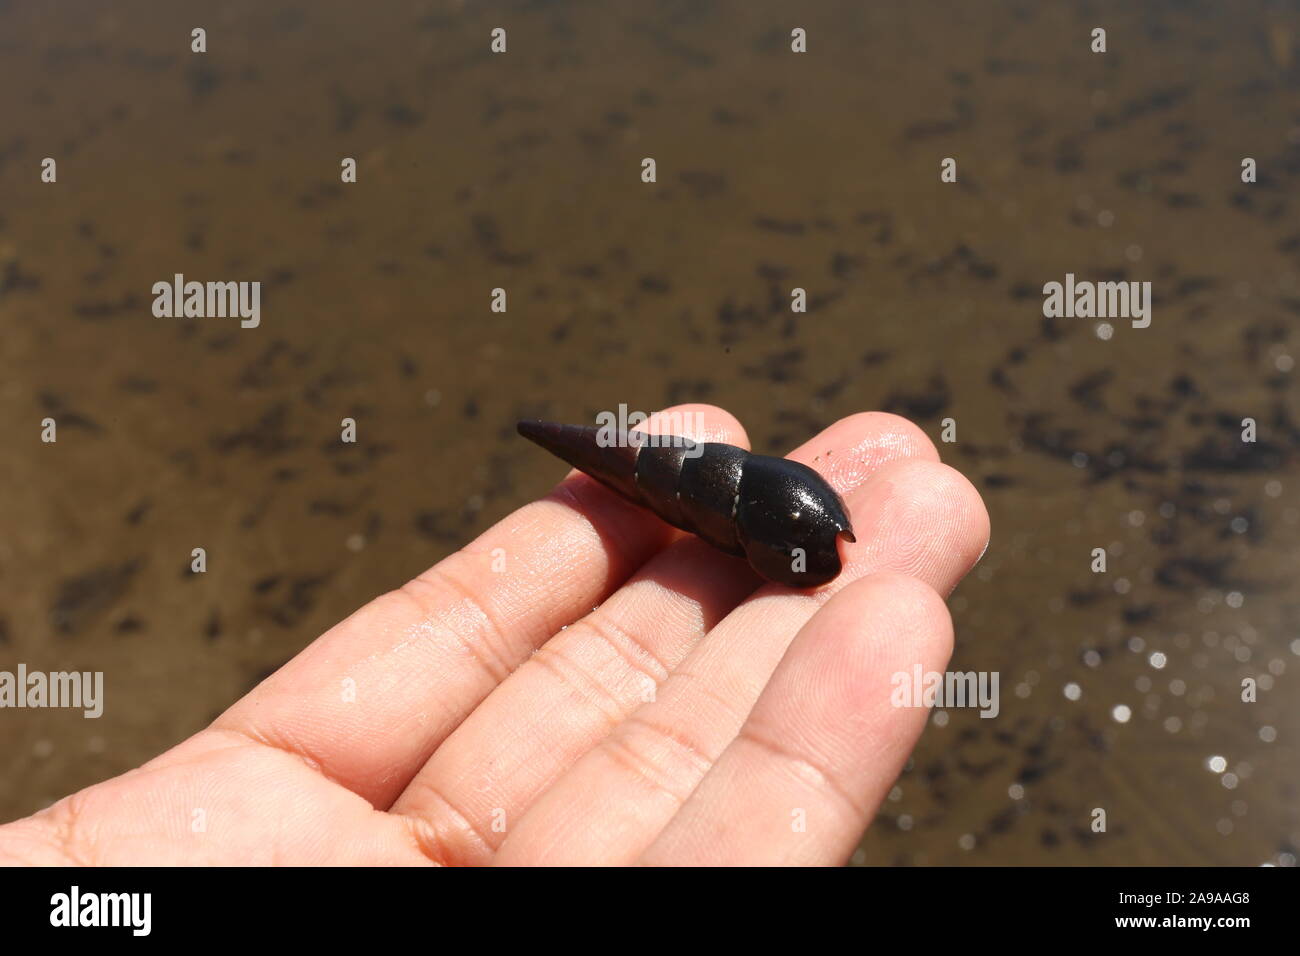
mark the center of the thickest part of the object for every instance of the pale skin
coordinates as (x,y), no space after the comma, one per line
(579,685)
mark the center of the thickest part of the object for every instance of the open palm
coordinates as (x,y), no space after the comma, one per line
(582,684)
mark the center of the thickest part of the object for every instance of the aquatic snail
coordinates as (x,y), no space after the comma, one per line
(778,514)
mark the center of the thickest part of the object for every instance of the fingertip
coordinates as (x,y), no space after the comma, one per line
(700,421)
(903,435)
(900,609)
(927,501)
(848,452)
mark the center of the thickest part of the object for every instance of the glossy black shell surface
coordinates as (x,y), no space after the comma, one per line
(782,516)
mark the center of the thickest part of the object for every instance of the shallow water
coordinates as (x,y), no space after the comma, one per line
(775,170)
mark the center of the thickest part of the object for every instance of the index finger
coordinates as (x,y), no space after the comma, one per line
(369,701)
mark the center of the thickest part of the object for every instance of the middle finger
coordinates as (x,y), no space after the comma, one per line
(588,678)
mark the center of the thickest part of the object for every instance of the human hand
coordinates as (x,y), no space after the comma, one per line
(617,692)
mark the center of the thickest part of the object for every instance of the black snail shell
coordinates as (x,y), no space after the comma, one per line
(756,506)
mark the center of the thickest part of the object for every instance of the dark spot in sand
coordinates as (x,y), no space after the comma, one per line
(778,366)
(704,184)
(680,391)
(267,436)
(203,79)
(785,227)
(137,513)
(873,357)
(81,598)
(437,526)
(297,599)
(346,110)
(212,629)
(922,404)
(844,265)
(66,417)
(108,308)
(401,115)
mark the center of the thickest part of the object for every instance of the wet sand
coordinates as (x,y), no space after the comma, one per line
(774,170)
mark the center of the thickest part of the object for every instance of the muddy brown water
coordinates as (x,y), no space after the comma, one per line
(775,170)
